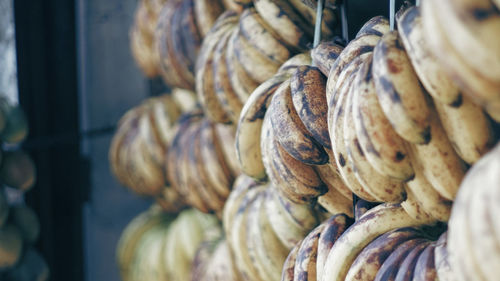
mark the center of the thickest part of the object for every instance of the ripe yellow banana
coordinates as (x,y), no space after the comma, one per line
(468,129)
(373,223)
(262,37)
(442,167)
(383,188)
(336,114)
(430,72)
(290,131)
(334,227)
(400,94)
(382,146)
(355,48)
(370,259)
(307,86)
(295,31)
(249,128)
(325,54)
(481,90)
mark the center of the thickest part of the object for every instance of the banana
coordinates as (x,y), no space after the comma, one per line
(375,222)
(334,227)
(198,175)
(468,128)
(249,128)
(288,267)
(481,90)
(213,160)
(206,12)
(378,26)
(474,25)
(224,90)
(361,207)
(18,170)
(442,261)
(307,86)
(294,178)
(425,269)
(241,81)
(414,208)
(258,66)
(176,264)
(430,72)
(290,26)
(165,112)
(262,37)
(399,91)
(407,269)
(431,201)
(233,202)
(384,149)
(221,265)
(328,23)
(305,264)
(225,136)
(239,236)
(325,54)
(383,188)
(493,193)
(442,167)
(391,266)
(335,120)
(290,65)
(335,202)
(330,176)
(291,132)
(267,252)
(355,48)
(184,99)
(155,151)
(285,226)
(205,87)
(370,259)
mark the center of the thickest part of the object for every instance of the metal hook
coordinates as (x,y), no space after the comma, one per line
(392,12)
(319,21)
(343,14)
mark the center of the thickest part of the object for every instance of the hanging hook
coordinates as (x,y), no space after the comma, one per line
(319,21)
(343,14)
(392,12)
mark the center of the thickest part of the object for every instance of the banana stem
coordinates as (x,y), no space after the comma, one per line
(392,8)
(343,14)
(319,21)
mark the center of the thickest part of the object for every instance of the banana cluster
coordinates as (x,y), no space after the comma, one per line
(463,39)
(473,235)
(384,243)
(19,224)
(158,246)
(213,261)
(274,143)
(262,226)
(138,149)
(201,162)
(244,49)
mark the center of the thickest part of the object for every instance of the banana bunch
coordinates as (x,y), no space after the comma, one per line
(262,226)
(201,162)
(473,236)
(282,136)
(160,246)
(243,50)
(213,261)
(138,148)
(462,37)
(142,41)
(384,243)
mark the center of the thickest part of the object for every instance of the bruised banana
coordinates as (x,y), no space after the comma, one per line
(378,26)
(250,125)
(206,12)
(325,54)
(399,91)
(305,264)
(288,267)
(291,132)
